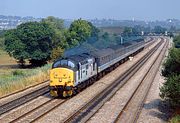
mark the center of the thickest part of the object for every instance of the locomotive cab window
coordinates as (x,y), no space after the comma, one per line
(57,64)
(71,64)
(64,63)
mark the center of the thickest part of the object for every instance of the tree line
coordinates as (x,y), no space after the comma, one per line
(38,42)
(137,30)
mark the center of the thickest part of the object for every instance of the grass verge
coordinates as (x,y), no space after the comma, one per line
(12,80)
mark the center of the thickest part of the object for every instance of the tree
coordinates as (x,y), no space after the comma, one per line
(14,46)
(136,30)
(94,31)
(56,53)
(54,22)
(31,41)
(177,41)
(1,42)
(159,30)
(171,90)
(59,37)
(79,31)
(105,36)
(172,63)
(127,31)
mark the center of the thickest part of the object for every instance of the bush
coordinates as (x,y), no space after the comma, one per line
(172,64)
(18,73)
(175,119)
(177,41)
(170,91)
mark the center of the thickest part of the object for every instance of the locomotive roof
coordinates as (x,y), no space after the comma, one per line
(81,58)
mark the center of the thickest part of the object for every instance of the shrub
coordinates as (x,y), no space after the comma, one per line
(18,73)
(172,63)
(170,91)
(175,119)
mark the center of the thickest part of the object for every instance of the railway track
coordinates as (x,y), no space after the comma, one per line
(12,104)
(133,107)
(39,111)
(34,113)
(84,113)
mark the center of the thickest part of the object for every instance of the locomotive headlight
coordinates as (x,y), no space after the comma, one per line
(60,80)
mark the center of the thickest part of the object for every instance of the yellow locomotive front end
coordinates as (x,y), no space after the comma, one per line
(61,81)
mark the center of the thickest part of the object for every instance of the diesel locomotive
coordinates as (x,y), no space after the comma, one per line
(71,74)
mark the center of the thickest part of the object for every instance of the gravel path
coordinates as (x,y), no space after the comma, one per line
(73,104)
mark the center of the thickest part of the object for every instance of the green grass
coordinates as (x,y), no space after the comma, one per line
(175,119)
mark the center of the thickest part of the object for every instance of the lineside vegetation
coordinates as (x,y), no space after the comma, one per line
(13,80)
(170,91)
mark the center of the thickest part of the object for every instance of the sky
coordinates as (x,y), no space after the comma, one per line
(91,9)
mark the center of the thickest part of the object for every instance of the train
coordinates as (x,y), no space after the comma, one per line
(69,75)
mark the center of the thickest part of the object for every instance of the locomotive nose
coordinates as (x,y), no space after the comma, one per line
(61,81)
(61,77)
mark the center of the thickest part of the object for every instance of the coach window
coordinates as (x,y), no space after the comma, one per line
(86,66)
(93,66)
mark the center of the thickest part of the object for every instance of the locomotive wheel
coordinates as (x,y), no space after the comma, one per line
(67,93)
(53,93)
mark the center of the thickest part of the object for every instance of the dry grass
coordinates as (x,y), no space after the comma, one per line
(5,59)
(22,82)
(13,79)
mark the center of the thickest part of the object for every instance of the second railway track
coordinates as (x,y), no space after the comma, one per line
(84,113)
(4,108)
(132,109)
